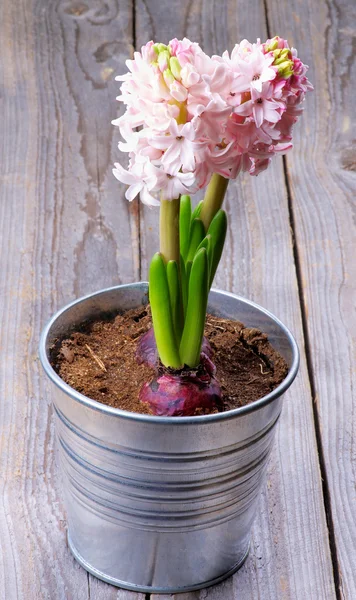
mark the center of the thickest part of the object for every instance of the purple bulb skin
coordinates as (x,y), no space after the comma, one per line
(147,350)
(184,393)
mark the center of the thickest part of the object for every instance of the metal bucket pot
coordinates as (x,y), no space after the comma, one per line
(162,504)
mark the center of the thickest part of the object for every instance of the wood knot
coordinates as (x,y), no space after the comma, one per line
(77,9)
(348,157)
(106,51)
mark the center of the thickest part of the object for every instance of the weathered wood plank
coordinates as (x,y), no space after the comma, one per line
(103,591)
(290,554)
(34,559)
(186,596)
(64,224)
(323,185)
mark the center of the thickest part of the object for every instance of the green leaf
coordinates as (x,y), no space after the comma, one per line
(196,211)
(207,243)
(197,233)
(185,274)
(184,284)
(185,214)
(162,314)
(188,268)
(175,297)
(217,231)
(190,346)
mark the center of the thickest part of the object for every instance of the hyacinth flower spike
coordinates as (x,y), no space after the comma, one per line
(193,121)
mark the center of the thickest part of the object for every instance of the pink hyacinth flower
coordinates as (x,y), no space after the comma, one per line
(141,179)
(262,106)
(252,71)
(178,145)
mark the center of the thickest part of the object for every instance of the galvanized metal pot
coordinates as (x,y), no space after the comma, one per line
(162,504)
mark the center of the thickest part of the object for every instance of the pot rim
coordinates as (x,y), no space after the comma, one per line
(118,412)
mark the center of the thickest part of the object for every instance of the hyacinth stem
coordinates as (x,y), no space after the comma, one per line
(213,199)
(185,216)
(169,230)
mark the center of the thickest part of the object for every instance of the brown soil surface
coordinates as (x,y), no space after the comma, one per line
(99,360)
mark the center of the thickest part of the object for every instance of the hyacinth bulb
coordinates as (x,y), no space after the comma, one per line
(185,393)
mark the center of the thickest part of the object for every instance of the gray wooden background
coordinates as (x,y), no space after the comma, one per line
(67,230)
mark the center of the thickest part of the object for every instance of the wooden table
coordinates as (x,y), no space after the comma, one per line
(67,230)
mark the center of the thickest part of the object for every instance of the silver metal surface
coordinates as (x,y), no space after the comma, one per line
(162,504)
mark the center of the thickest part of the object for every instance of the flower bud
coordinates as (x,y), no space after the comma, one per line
(168,77)
(285,69)
(178,91)
(163,60)
(175,67)
(160,86)
(281,55)
(283,62)
(273,45)
(159,48)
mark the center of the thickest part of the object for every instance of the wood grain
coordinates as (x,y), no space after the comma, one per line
(290,556)
(322,175)
(65,230)
(103,591)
